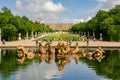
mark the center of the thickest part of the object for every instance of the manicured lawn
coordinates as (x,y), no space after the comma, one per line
(64,36)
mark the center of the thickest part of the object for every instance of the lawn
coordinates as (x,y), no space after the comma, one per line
(64,36)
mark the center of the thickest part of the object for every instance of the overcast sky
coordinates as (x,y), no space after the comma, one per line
(58,11)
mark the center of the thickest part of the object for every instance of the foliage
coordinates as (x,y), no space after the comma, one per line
(16,24)
(64,36)
(105,22)
(9,64)
(109,67)
(9,31)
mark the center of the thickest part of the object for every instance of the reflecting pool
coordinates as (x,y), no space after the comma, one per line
(59,68)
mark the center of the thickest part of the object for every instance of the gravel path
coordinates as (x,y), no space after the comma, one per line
(29,43)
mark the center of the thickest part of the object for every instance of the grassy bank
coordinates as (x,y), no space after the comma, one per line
(64,36)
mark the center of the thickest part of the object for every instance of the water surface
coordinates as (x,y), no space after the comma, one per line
(59,68)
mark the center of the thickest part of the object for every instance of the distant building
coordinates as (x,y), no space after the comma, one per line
(56,26)
(60,26)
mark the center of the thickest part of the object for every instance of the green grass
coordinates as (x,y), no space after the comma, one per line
(64,36)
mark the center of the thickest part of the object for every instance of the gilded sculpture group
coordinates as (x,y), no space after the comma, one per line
(62,51)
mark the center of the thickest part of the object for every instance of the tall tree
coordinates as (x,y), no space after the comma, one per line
(9,32)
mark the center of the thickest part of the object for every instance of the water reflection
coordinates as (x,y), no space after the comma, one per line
(61,56)
(53,67)
(60,61)
(8,63)
(22,53)
(0,56)
(109,67)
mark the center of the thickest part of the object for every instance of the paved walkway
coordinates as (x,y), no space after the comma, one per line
(29,43)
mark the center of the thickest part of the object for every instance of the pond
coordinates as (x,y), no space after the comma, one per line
(59,68)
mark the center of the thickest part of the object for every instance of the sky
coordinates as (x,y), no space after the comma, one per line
(58,11)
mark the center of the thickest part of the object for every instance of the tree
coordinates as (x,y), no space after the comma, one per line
(105,22)
(115,14)
(9,32)
(105,25)
(5,15)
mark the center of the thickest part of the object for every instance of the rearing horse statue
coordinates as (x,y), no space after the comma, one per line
(41,49)
(51,50)
(76,49)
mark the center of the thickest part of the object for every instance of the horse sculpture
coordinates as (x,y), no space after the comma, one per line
(41,49)
(76,49)
(98,54)
(67,48)
(51,50)
(60,47)
(61,50)
(22,54)
(60,43)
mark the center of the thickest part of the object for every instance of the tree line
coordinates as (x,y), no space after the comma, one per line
(11,25)
(105,22)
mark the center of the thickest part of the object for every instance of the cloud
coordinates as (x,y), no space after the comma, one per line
(102,5)
(41,71)
(74,21)
(54,8)
(88,18)
(19,4)
(45,9)
(107,4)
(51,12)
